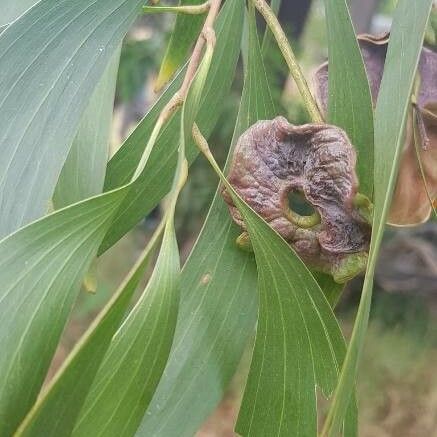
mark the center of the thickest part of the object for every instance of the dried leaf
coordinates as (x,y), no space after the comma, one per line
(410,203)
(274,159)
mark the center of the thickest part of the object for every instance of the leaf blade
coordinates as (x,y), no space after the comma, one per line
(306,336)
(150,323)
(111,414)
(349,98)
(42,266)
(44,88)
(84,170)
(64,397)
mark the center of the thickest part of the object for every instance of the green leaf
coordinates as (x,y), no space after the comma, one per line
(11,9)
(349,101)
(391,113)
(217,313)
(133,365)
(41,267)
(108,410)
(84,170)
(298,342)
(52,58)
(185,33)
(156,179)
(56,411)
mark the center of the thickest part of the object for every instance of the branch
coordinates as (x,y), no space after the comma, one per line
(179,97)
(187,9)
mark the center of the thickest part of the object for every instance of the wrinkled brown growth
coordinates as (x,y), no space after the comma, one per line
(410,201)
(274,158)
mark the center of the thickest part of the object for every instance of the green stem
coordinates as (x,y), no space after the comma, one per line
(187,9)
(288,54)
(165,115)
(203,146)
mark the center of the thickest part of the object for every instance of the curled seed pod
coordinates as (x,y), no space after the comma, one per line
(274,160)
(410,203)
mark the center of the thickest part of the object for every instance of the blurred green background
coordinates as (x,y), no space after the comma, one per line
(398,384)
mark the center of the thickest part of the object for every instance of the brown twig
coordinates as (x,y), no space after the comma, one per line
(197,52)
(185,9)
(179,97)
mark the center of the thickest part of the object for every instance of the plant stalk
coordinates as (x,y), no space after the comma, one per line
(187,9)
(288,54)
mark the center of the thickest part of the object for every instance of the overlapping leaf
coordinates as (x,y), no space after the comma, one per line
(133,365)
(56,411)
(109,410)
(349,98)
(51,60)
(156,180)
(391,112)
(41,268)
(84,171)
(298,342)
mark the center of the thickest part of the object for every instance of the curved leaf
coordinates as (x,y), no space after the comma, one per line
(133,365)
(45,86)
(41,267)
(55,413)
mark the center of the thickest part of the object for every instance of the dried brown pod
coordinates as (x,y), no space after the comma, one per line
(410,205)
(274,160)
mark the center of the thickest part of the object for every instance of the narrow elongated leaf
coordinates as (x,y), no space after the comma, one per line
(391,112)
(156,180)
(56,411)
(217,312)
(350,101)
(185,32)
(298,342)
(41,267)
(137,355)
(152,322)
(51,60)
(83,173)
